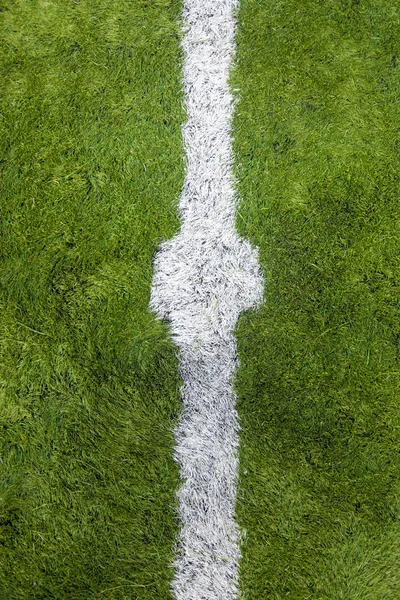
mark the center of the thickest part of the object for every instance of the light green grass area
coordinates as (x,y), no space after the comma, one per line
(91,170)
(318,161)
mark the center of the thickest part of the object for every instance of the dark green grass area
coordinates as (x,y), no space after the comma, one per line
(91,169)
(318,162)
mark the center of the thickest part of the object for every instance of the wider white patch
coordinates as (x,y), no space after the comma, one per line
(203,279)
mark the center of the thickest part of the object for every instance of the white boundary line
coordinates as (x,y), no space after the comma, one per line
(203,279)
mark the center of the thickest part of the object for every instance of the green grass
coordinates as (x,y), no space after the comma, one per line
(318,161)
(91,169)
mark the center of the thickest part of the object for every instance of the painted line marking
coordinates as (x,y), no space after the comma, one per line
(203,278)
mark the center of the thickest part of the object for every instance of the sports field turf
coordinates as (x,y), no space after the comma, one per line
(91,169)
(317,148)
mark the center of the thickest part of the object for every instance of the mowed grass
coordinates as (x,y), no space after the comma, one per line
(91,170)
(317,141)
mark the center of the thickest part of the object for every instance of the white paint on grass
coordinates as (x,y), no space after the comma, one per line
(203,279)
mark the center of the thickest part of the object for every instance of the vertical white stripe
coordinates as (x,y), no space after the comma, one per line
(203,279)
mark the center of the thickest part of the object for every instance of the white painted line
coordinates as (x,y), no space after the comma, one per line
(203,279)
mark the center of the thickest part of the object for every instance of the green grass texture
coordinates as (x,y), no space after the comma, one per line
(317,142)
(91,170)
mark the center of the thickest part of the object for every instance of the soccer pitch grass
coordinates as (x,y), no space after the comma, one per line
(317,149)
(91,171)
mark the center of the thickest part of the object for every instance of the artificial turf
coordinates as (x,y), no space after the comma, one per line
(317,140)
(91,169)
